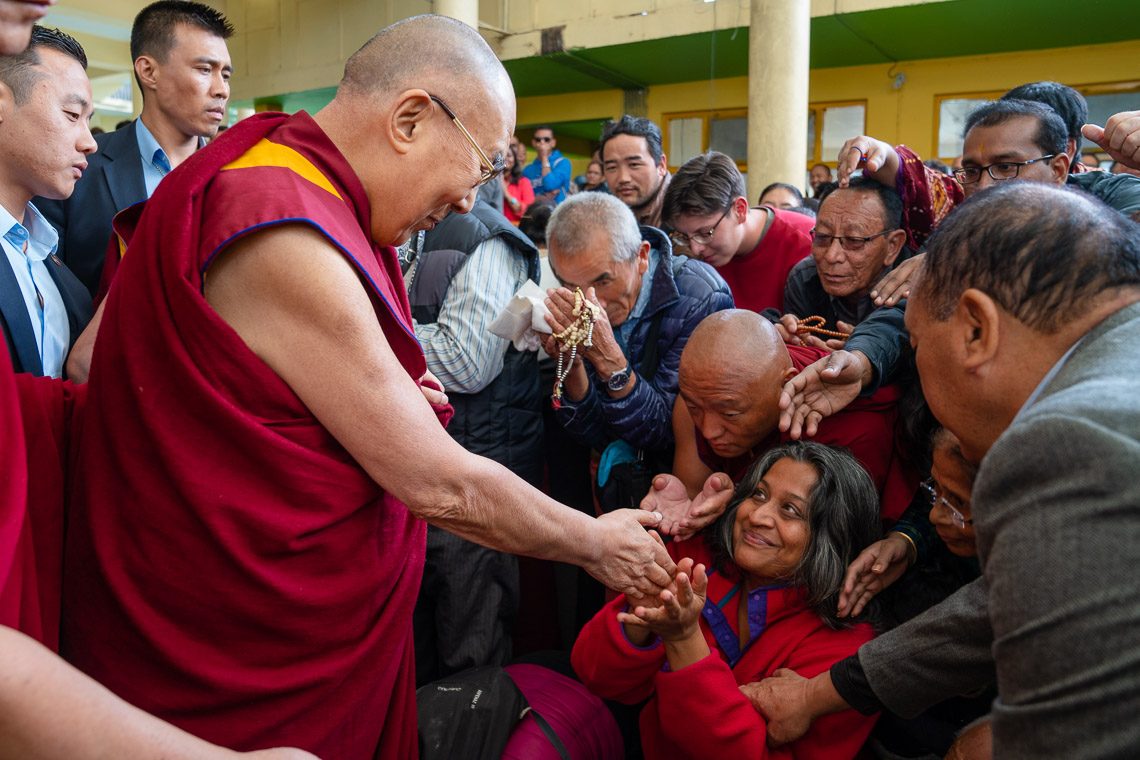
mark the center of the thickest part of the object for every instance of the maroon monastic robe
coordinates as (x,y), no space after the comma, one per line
(230,567)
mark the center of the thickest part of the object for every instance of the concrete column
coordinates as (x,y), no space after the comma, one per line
(466,11)
(778,48)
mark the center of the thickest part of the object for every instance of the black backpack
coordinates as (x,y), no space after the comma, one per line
(471,716)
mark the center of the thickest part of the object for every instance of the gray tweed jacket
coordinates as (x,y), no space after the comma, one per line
(1056,615)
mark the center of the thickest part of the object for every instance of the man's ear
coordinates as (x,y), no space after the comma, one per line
(663,166)
(1059,164)
(895,242)
(643,257)
(146,72)
(978,325)
(408,113)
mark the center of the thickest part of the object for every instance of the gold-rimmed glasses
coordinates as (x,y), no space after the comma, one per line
(491,169)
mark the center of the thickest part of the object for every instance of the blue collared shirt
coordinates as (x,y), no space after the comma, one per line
(625,330)
(155,163)
(27,245)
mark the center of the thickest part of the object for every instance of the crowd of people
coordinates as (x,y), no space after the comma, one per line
(856,465)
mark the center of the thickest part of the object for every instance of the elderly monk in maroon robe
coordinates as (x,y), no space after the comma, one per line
(258,461)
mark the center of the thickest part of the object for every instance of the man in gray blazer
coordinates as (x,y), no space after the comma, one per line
(1025,324)
(183,68)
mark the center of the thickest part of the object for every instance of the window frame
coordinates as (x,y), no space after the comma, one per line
(707,115)
(1121,87)
(819,108)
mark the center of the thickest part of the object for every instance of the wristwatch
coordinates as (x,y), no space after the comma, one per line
(619,379)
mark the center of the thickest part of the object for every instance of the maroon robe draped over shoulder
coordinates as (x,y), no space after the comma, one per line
(37,416)
(230,567)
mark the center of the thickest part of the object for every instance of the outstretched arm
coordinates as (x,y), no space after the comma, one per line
(300,306)
(50,710)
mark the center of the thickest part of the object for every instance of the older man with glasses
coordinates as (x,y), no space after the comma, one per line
(753,249)
(857,239)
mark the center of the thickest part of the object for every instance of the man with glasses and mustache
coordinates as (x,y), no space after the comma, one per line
(550,171)
(753,249)
(263,444)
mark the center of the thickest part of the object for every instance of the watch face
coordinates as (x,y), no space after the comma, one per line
(618,380)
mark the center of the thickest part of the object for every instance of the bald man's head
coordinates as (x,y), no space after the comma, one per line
(426,51)
(732,369)
(424,112)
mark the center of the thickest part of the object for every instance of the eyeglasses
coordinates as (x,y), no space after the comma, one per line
(935,496)
(491,169)
(702,238)
(544,139)
(1002,170)
(847,242)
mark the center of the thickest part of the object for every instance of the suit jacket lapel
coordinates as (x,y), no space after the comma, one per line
(15,314)
(123,168)
(76,299)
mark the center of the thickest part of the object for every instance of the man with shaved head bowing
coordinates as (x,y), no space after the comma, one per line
(725,417)
(259,457)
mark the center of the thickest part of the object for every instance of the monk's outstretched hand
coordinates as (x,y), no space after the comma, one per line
(822,389)
(627,558)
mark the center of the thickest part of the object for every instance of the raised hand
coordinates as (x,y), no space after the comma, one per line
(820,390)
(877,567)
(898,282)
(628,559)
(876,158)
(1120,137)
(668,496)
(706,506)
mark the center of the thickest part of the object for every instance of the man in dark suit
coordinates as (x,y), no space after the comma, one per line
(183,68)
(1025,324)
(45,102)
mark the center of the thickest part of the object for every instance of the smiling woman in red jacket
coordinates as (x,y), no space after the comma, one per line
(754,593)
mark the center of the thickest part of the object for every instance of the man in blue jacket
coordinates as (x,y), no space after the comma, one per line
(624,385)
(550,172)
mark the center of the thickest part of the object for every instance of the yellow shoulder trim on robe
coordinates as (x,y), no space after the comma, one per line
(266,153)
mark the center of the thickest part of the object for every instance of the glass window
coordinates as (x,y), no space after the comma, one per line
(685,139)
(1103,106)
(952,113)
(830,125)
(840,124)
(730,136)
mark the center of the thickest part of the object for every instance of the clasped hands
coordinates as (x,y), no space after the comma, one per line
(675,613)
(605,355)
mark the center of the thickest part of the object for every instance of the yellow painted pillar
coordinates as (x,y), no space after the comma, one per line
(466,11)
(778,48)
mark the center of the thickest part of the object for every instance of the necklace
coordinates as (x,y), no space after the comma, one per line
(580,332)
(815,325)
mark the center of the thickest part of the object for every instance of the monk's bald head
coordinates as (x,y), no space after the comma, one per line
(428,52)
(732,370)
(423,114)
(737,343)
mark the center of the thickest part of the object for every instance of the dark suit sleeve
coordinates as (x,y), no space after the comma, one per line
(883,339)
